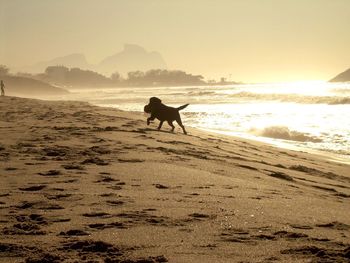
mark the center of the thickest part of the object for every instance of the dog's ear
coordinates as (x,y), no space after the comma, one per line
(147,109)
(155,100)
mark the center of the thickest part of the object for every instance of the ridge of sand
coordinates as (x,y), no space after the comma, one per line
(80,183)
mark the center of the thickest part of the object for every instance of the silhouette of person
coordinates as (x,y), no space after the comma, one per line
(2,88)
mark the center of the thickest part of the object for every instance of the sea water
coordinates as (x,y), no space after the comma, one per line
(310,116)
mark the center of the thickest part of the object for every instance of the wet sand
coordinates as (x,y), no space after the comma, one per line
(80,183)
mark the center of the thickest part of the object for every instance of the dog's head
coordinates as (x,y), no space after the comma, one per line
(154,102)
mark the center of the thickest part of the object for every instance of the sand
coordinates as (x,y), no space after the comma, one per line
(80,183)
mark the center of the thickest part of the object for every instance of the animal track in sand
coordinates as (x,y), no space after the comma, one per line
(96,149)
(97,214)
(160,186)
(68,181)
(73,167)
(95,160)
(27,225)
(199,216)
(74,232)
(144,218)
(37,218)
(24,229)
(110,195)
(281,175)
(335,225)
(15,250)
(106,179)
(244,236)
(115,202)
(108,253)
(51,173)
(101,226)
(297,226)
(64,197)
(11,169)
(57,151)
(33,188)
(130,160)
(331,190)
(247,167)
(115,187)
(313,171)
(321,254)
(41,205)
(44,258)
(90,246)
(174,142)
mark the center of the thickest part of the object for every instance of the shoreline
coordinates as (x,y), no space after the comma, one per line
(85,183)
(328,155)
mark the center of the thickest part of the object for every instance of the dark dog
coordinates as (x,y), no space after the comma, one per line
(164,113)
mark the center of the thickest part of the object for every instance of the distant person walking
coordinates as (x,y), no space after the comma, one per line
(2,88)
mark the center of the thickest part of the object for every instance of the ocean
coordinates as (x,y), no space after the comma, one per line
(309,116)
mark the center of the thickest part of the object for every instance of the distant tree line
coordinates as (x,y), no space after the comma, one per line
(4,70)
(63,76)
(162,77)
(76,77)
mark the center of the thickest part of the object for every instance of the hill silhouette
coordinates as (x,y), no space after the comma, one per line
(71,60)
(342,77)
(131,58)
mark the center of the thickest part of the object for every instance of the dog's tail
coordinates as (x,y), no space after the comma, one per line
(182,107)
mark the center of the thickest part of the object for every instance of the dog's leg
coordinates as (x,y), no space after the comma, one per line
(181,125)
(172,125)
(160,125)
(150,119)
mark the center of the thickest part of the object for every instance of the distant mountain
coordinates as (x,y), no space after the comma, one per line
(27,87)
(131,58)
(72,60)
(342,77)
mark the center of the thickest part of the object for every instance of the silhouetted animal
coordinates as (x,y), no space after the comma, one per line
(164,113)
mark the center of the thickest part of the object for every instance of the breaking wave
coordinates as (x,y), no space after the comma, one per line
(201,93)
(282,132)
(331,100)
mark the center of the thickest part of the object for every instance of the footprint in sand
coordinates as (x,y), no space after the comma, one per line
(41,205)
(25,228)
(51,173)
(33,188)
(106,179)
(281,175)
(320,254)
(335,225)
(95,160)
(160,186)
(97,214)
(101,226)
(73,232)
(73,167)
(115,202)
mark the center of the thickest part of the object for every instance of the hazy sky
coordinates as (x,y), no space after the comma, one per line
(251,40)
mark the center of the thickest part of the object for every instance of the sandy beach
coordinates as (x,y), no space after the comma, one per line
(80,183)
